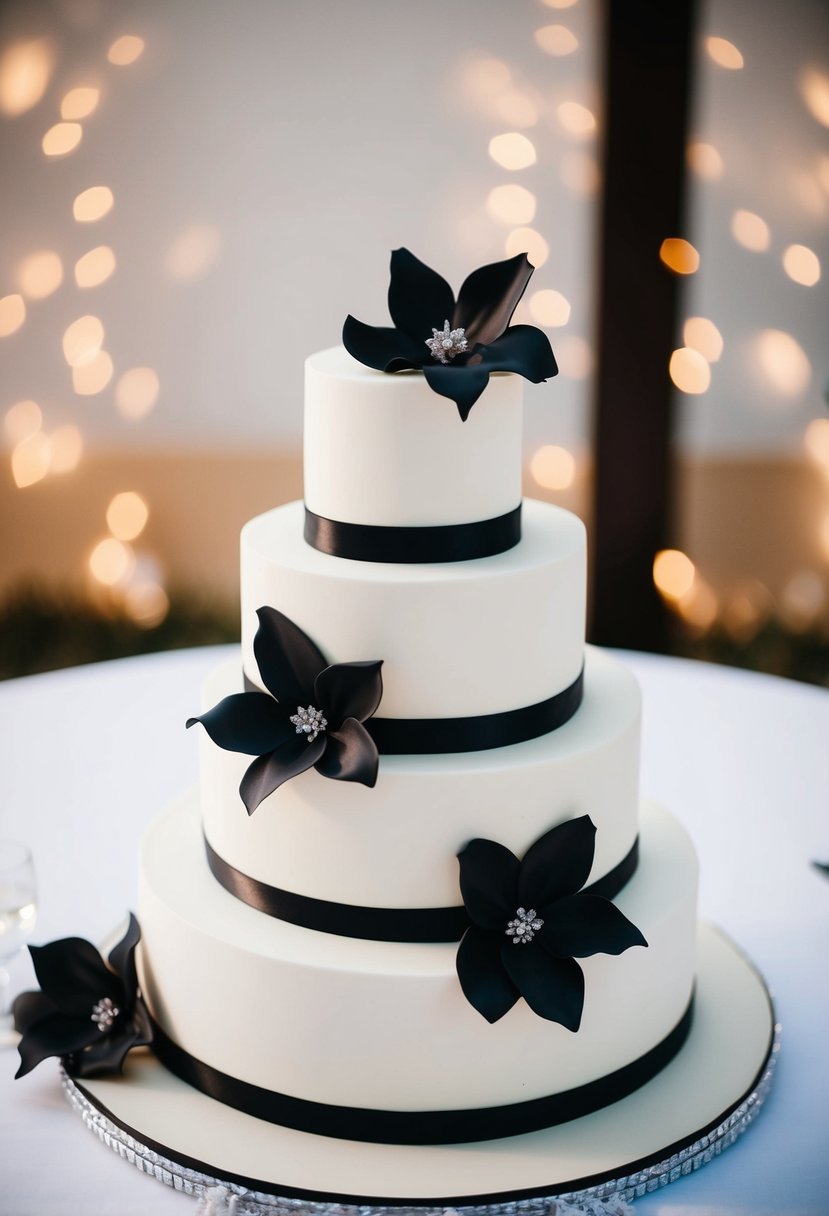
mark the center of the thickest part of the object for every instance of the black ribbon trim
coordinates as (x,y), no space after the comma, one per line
(376,924)
(421,1127)
(413,546)
(439,736)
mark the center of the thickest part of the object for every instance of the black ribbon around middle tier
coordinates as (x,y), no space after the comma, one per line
(422,1126)
(479,732)
(401,545)
(377,924)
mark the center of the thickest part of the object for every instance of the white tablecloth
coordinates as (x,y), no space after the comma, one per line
(91,754)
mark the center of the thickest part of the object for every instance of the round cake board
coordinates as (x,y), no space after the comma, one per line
(698,1104)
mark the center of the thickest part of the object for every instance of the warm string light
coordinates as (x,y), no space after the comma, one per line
(679,255)
(193,252)
(12,314)
(724,53)
(704,160)
(549,308)
(40,274)
(689,370)
(79,103)
(25,71)
(751,231)
(782,362)
(125,50)
(62,138)
(702,335)
(95,267)
(511,204)
(527,240)
(553,467)
(92,204)
(512,150)
(802,265)
(556,40)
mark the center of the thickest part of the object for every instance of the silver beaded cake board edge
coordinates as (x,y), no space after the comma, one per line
(699,1105)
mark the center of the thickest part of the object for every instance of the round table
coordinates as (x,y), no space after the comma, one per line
(91,754)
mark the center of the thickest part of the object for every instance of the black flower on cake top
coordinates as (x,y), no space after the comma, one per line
(311,716)
(455,343)
(87,1012)
(530,923)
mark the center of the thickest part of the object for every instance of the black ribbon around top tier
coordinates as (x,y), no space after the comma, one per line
(480,732)
(377,924)
(422,1126)
(414,546)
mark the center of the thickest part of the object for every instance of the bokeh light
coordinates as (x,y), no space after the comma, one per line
(30,460)
(39,274)
(111,561)
(511,204)
(82,340)
(62,138)
(79,103)
(137,392)
(485,78)
(125,50)
(802,265)
(517,109)
(559,4)
(679,255)
(703,335)
(66,449)
(783,362)
(803,601)
(689,370)
(556,40)
(574,356)
(193,252)
(95,266)
(22,419)
(724,53)
(553,467)
(147,603)
(512,150)
(527,240)
(92,204)
(25,69)
(549,308)
(673,573)
(580,173)
(127,515)
(751,231)
(704,160)
(814,89)
(698,607)
(12,314)
(93,377)
(576,119)
(816,443)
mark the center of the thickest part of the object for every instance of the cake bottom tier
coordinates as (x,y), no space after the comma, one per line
(384,1026)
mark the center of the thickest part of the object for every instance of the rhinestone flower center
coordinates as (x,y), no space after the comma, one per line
(104,1013)
(524,927)
(447,342)
(309,721)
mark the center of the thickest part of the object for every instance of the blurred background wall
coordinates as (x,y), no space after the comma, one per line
(194,195)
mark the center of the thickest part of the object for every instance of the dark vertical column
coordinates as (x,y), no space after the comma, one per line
(647,77)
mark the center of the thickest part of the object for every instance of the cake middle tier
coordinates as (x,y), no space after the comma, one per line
(395,846)
(457,639)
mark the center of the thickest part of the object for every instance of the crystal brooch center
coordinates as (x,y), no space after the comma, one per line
(309,721)
(104,1013)
(524,927)
(447,342)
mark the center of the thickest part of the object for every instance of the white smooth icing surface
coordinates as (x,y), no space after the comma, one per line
(456,639)
(396,845)
(385,449)
(385,1025)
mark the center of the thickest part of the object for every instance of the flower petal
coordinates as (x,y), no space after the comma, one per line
(489,296)
(552,987)
(383,348)
(523,349)
(54,1035)
(267,773)
(463,383)
(489,883)
(28,1008)
(419,299)
(122,960)
(287,659)
(349,690)
(248,722)
(558,864)
(483,979)
(73,976)
(350,754)
(105,1055)
(581,925)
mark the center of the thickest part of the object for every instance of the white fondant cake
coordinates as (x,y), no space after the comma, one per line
(344,1017)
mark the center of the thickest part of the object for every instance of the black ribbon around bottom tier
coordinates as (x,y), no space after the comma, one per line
(377,924)
(401,545)
(480,732)
(422,1126)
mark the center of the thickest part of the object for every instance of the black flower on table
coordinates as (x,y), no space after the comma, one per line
(312,715)
(470,336)
(531,921)
(87,1012)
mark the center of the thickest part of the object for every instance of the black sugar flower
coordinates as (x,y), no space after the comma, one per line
(313,717)
(456,344)
(87,1012)
(530,924)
